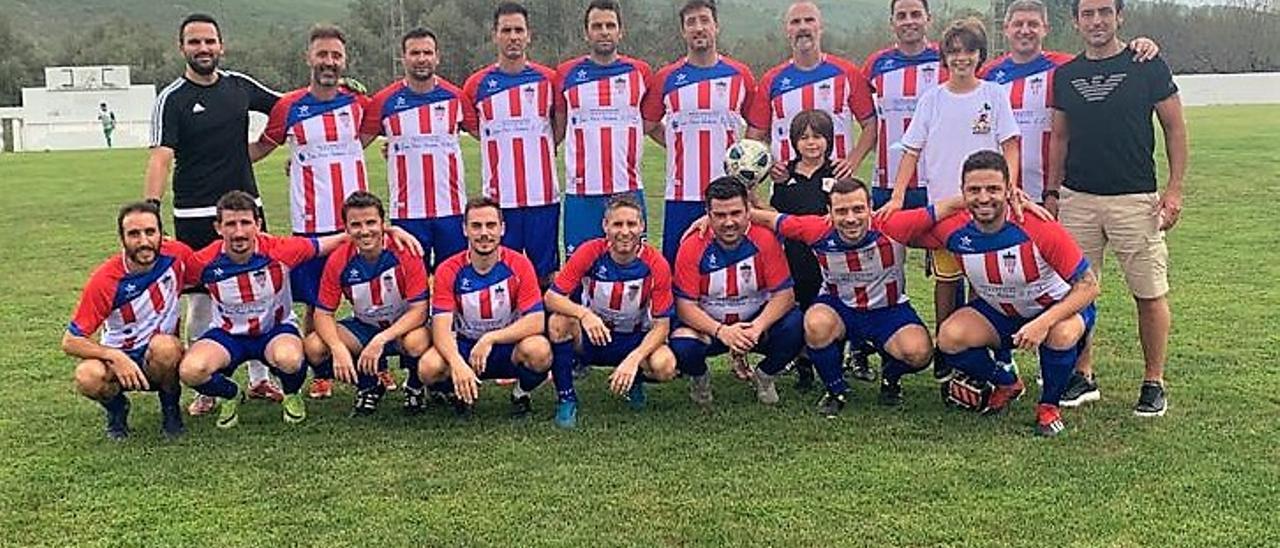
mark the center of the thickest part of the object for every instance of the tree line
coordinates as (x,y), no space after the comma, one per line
(1195,39)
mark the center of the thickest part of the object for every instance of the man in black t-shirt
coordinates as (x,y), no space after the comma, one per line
(1102,180)
(200,128)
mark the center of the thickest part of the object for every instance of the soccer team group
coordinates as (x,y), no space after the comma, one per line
(1015,174)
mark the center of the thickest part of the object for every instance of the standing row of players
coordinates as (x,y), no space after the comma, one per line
(521,111)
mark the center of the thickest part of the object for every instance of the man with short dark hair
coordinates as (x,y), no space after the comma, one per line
(734,295)
(199,127)
(1101,161)
(133,297)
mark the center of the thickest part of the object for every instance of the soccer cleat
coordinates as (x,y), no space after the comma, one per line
(567,415)
(1002,396)
(1151,400)
(766,387)
(700,389)
(858,365)
(521,406)
(1048,420)
(890,392)
(265,390)
(171,424)
(321,389)
(461,409)
(741,367)
(415,400)
(118,423)
(1080,390)
(202,405)
(388,381)
(295,409)
(831,404)
(636,396)
(804,374)
(229,412)
(367,401)
(941,371)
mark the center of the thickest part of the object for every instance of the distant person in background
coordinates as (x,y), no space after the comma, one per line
(108,121)
(199,128)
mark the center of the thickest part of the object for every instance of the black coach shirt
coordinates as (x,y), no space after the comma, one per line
(1109,103)
(207,127)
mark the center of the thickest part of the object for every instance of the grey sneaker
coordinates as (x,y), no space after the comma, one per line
(700,389)
(1080,390)
(1151,401)
(766,387)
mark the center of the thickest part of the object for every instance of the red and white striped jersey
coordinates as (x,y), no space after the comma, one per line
(1030,87)
(628,297)
(253,297)
(704,111)
(131,307)
(898,80)
(327,156)
(425,175)
(836,86)
(1022,269)
(604,137)
(866,275)
(481,303)
(517,147)
(731,285)
(380,292)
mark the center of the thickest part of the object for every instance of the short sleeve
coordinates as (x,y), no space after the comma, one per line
(277,121)
(1006,124)
(749,88)
(570,277)
(443,298)
(415,277)
(1061,89)
(687,280)
(861,104)
(759,113)
(94,306)
(261,98)
(293,250)
(330,295)
(371,122)
(776,275)
(1160,80)
(803,228)
(917,134)
(651,107)
(1057,247)
(528,296)
(164,128)
(662,300)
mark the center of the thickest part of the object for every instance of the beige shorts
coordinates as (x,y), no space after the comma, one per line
(1128,223)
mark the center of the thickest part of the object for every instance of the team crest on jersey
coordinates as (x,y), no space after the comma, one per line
(982,125)
(1010,261)
(260,276)
(824,92)
(620,85)
(745,272)
(1037,84)
(928,74)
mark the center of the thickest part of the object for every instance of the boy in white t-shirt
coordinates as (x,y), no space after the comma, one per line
(952,121)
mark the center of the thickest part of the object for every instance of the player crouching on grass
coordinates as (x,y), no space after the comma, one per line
(387,287)
(247,276)
(487,320)
(862,296)
(625,315)
(1033,284)
(133,297)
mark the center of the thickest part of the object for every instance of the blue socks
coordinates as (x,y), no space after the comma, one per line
(691,355)
(562,358)
(977,363)
(1056,367)
(290,383)
(827,361)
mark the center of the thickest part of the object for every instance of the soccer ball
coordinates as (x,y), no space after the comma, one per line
(748,161)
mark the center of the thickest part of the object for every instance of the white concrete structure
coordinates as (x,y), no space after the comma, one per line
(1229,89)
(63,115)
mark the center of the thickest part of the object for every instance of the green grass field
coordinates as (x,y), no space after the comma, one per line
(1207,474)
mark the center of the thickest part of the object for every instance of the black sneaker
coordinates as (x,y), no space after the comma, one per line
(804,374)
(367,401)
(415,400)
(1151,401)
(118,423)
(890,392)
(831,404)
(521,406)
(461,409)
(941,371)
(1080,390)
(859,366)
(171,424)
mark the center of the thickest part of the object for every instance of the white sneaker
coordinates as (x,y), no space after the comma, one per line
(766,388)
(700,389)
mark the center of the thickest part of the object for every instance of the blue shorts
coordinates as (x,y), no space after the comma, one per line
(243,348)
(304,279)
(584,215)
(535,231)
(677,219)
(612,354)
(916,197)
(874,326)
(789,325)
(364,333)
(501,363)
(441,238)
(1006,326)
(138,355)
